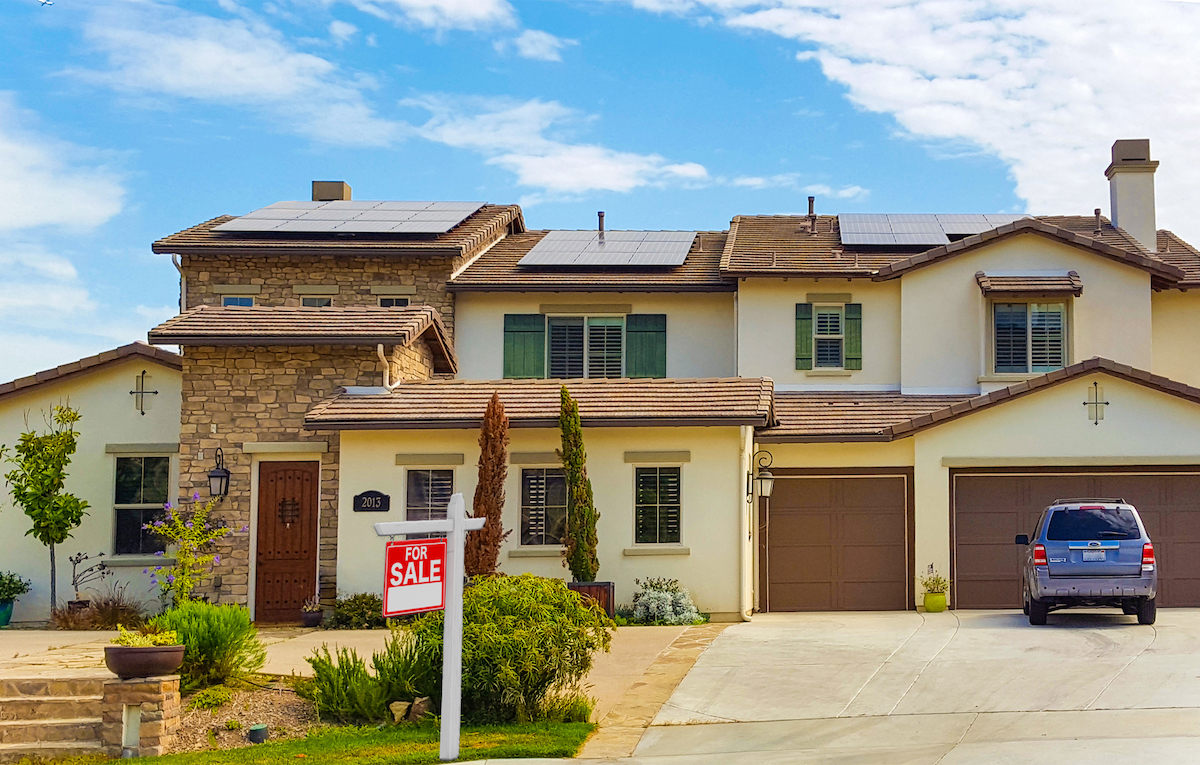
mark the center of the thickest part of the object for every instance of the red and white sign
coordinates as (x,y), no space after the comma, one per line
(416,577)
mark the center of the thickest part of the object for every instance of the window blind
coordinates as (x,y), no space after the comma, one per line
(604,340)
(543,506)
(1047,350)
(1011,337)
(657,510)
(566,346)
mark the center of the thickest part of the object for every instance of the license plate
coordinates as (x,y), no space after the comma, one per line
(1093,556)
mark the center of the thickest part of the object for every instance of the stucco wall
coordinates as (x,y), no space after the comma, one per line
(701,341)
(713,512)
(109,417)
(945,329)
(767,332)
(1176,340)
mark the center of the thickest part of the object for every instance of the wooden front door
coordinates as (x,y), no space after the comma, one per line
(286,562)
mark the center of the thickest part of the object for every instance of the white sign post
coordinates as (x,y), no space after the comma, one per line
(456,525)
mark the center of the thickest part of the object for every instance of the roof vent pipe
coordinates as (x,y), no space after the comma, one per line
(600,217)
(812,216)
(1098,230)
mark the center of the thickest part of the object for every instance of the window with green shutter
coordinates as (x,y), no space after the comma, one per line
(524,345)
(804,336)
(646,345)
(853,330)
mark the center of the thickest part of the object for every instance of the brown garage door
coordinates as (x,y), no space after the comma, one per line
(835,544)
(989,510)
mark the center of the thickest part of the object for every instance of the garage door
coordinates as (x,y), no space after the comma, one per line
(989,510)
(834,544)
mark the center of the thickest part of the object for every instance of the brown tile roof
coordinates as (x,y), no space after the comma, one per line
(1172,249)
(293,325)
(91,364)
(535,404)
(833,416)
(1066,284)
(481,228)
(497,271)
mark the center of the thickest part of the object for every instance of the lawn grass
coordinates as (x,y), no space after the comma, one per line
(404,745)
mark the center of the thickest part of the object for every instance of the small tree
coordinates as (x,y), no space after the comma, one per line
(483,546)
(191,534)
(580,543)
(37,484)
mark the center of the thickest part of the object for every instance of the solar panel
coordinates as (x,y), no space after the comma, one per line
(618,248)
(909,229)
(355,217)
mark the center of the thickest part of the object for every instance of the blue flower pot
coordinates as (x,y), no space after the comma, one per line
(5,612)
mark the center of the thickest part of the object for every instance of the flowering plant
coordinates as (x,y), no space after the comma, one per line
(189,534)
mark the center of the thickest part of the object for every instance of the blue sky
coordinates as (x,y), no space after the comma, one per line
(122,121)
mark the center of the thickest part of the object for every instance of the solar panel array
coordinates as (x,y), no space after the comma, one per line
(916,229)
(617,248)
(351,217)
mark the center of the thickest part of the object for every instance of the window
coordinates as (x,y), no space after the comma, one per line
(586,346)
(566,347)
(1093,523)
(543,506)
(827,336)
(428,494)
(142,484)
(316,302)
(656,491)
(236,300)
(393,302)
(1029,337)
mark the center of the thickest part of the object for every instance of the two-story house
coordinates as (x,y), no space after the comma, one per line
(920,386)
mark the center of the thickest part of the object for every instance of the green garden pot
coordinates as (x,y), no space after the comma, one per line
(5,612)
(935,602)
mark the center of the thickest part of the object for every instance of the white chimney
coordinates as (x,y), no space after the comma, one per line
(1131,190)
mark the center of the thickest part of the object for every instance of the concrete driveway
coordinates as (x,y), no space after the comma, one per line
(951,688)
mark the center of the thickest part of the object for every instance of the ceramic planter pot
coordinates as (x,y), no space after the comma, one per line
(5,612)
(935,602)
(311,618)
(604,593)
(142,661)
(74,606)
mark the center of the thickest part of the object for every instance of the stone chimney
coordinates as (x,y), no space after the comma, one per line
(331,191)
(1131,190)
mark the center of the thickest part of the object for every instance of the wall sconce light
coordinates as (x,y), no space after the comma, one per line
(764,481)
(218,478)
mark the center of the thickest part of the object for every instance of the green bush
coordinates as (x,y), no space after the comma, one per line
(211,698)
(363,611)
(12,586)
(343,690)
(221,642)
(145,639)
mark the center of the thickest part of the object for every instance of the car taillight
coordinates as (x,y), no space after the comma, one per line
(1039,555)
(1148,554)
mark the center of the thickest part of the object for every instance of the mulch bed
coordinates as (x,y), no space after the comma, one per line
(285,714)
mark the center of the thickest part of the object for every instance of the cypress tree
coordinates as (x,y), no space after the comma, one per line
(580,543)
(483,547)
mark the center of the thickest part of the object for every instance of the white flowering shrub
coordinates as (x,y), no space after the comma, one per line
(663,601)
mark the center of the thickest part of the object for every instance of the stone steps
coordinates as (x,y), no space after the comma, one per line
(52,750)
(50,718)
(71,730)
(49,707)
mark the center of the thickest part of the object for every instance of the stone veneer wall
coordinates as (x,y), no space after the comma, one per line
(354,276)
(234,394)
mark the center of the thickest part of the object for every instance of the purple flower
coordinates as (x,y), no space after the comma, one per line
(216,559)
(188,524)
(167,506)
(196,496)
(159,553)
(245,528)
(158,568)
(171,578)
(145,571)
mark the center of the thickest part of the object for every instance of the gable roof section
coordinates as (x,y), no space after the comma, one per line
(480,229)
(830,416)
(1174,250)
(293,325)
(535,404)
(498,270)
(91,364)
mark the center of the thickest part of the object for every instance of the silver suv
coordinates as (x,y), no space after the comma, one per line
(1089,552)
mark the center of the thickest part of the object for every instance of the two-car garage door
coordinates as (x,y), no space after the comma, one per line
(990,508)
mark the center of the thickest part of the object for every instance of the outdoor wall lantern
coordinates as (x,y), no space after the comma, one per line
(763,481)
(218,478)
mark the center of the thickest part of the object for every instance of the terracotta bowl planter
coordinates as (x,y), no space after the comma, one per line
(142,661)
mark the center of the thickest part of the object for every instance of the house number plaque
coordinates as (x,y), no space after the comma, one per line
(372,502)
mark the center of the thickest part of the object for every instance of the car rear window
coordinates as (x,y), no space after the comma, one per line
(1093,523)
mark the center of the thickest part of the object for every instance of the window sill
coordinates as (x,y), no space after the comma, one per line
(657,550)
(133,561)
(549,551)
(826,373)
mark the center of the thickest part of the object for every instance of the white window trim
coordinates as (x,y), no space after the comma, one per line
(635,545)
(990,374)
(585,318)
(841,337)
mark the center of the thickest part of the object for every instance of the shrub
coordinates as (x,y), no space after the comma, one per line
(363,611)
(114,606)
(211,698)
(221,642)
(13,586)
(144,640)
(71,619)
(190,534)
(663,601)
(343,690)
(569,707)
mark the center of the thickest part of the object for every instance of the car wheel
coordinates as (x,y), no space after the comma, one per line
(1147,610)
(1025,599)
(1037,611)
(1129,607)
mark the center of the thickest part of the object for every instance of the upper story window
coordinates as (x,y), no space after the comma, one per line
(829,336)
(142,484)
(316,302)
(1029,337)
(564,347)
(393,302)
(237,300)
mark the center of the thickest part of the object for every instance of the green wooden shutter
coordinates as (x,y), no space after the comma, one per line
(646,345)
(853,330)
(804,336)
(524,345)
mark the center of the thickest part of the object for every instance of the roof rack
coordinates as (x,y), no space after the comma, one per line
(1077,500)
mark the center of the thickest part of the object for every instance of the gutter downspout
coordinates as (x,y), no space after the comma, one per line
(744,536)
(387,371)
(182,283)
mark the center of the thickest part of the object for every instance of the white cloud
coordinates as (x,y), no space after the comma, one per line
(1045,85)
(51,182)
(845,192)
(514,136)
(537,45)
(792,181)
(155,49)
(440,14)
(341,31)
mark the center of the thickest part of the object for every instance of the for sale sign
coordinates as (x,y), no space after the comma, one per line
(416,577)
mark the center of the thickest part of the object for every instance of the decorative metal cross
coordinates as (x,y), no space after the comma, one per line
(139,393)
(1095,404)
